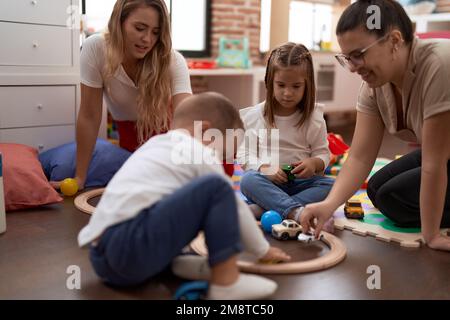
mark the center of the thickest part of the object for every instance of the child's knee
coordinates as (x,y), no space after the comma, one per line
(248,180)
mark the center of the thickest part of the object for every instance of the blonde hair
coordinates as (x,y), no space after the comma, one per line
(290,55)
(153,78)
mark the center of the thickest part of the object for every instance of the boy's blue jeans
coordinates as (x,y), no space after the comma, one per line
(283,198)
(131,252)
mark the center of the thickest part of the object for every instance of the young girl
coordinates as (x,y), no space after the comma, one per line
(289,107)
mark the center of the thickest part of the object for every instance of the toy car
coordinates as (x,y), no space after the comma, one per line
(287,229)
(307,238)
(287,169)
(353,209)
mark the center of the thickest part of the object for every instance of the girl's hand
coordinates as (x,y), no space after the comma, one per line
(304,169)
(274,174)
(439,242)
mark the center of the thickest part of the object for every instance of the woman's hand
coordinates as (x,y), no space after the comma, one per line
(304,169)
(315,216)
(274,174)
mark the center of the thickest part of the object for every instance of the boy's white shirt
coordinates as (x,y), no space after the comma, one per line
(150,175)
(295,144)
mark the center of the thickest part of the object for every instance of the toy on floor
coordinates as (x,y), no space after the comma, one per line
(69,187)
(331,258)
(194,290)
(270,218)
(288,229)
(308,238)
(287,168)
(336,144)
(353,209)
(377,225)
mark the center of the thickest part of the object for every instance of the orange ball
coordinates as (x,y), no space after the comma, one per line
(69,187)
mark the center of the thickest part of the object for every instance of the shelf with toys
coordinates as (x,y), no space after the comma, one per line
(231,74)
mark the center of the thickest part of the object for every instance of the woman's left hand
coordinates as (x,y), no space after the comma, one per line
(439,242)
(304,169)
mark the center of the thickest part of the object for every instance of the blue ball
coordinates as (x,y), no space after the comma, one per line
(269,218)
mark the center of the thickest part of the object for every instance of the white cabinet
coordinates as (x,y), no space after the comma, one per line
(39,71)
(244,87)
(52,12)
(337,88)
(431,22)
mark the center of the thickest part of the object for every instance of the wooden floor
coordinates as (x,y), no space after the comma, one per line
(40,245)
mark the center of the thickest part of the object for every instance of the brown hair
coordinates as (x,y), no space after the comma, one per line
(393,16)
(153,78)
(289,55)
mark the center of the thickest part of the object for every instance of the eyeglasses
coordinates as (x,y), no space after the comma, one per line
(356,59)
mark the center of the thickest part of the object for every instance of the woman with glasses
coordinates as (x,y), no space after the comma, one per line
(405,90)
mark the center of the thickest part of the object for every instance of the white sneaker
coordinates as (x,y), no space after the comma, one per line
(247,287)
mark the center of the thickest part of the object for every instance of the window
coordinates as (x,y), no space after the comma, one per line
(190,23)
(310,23)
(264,39)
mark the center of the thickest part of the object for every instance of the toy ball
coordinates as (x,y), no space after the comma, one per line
(270,218)
(69,187)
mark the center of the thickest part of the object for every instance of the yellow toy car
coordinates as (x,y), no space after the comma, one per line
(353,209)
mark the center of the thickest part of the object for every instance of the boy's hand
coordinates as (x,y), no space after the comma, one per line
(275,255)
(304,169)
(274,174)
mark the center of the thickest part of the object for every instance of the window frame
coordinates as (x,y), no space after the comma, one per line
(206,51)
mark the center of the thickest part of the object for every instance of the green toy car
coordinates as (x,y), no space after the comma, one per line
(287,168)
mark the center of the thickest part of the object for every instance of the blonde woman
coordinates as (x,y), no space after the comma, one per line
(133,68)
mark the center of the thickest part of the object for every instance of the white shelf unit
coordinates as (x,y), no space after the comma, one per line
(39,72)
(244,87)
(431,22)
(336,87)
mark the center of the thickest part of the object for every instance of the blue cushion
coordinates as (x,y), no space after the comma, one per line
(59,163)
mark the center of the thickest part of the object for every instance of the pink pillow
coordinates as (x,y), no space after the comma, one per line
(24,180)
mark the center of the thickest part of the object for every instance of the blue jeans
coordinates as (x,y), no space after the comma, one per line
(283,198)
(131,252)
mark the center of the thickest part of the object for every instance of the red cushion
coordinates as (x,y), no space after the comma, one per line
(24,181)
